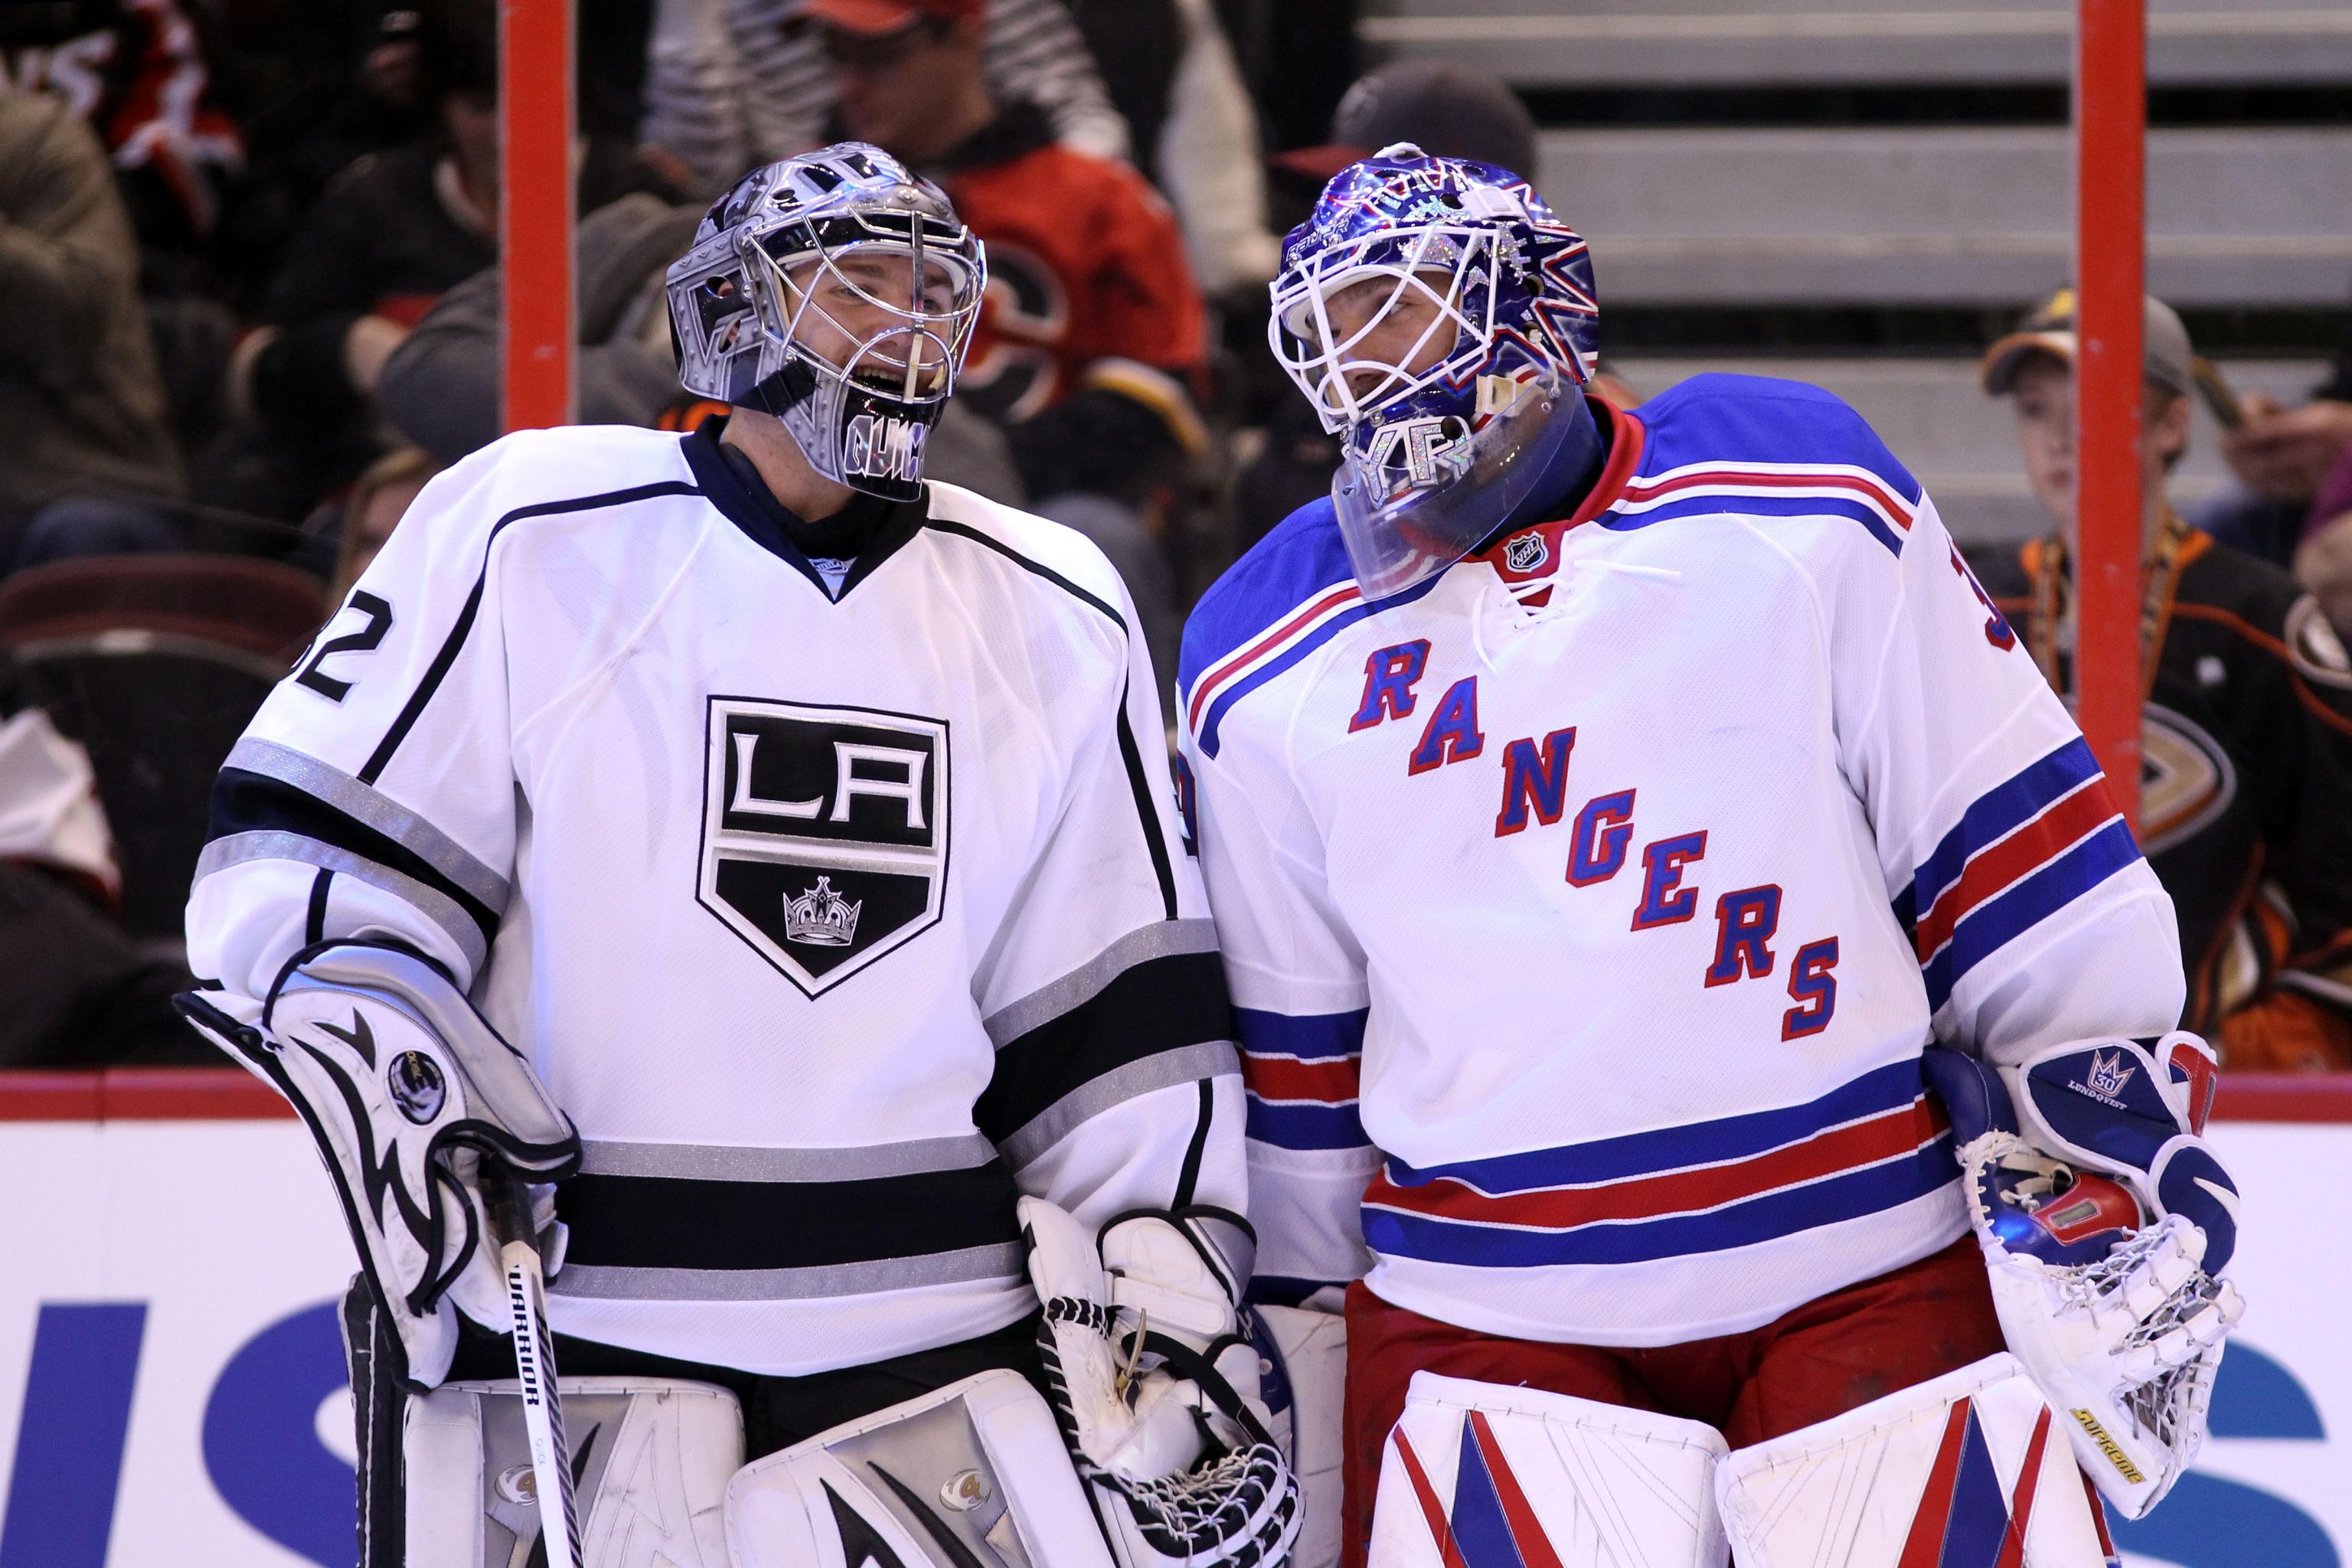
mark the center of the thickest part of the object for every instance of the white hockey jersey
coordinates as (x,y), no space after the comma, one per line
(1586,913)
(834,921)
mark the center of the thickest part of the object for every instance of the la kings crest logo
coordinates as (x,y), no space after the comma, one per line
(825,832)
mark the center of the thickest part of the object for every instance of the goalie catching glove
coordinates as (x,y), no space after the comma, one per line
(1155,1391)
(2105,1220)
(406,1090)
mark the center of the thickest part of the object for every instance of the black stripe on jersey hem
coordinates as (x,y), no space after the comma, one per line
(314,926)
(1130,752)
(439,670)
(1163,1004)
(254,803)
(1189,1176)
(663,1222)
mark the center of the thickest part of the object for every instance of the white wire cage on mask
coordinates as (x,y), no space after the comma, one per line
(1328,359)
(1449,416)
(927,300)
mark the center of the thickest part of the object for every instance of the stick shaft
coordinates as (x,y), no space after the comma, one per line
(543,1400)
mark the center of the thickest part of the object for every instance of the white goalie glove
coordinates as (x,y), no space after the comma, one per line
(406,1090)
(2105,1221)
(1155,1391)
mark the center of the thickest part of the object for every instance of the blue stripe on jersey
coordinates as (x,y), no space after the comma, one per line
(1992,815)
(1296,1124)
(1756,503)
(1237,690)
(1881,1090)
(1722,418)
(1850,1196)
(1302,556)
(1309,1037)
(1986,929)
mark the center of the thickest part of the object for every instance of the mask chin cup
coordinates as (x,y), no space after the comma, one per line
(1419,492)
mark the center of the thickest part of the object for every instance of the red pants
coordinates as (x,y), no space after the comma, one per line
(1848,1348)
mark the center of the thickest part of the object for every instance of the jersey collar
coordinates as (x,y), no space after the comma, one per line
(767,522)
(1531,553)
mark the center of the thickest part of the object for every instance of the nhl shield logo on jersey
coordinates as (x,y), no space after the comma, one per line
(824,838)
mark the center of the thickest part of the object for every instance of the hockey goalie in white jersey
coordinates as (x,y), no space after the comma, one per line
(1613,822)
(772,854)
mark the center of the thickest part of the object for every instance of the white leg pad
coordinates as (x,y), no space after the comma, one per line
(654,1457)
(1966,1470)
(1311,1347)
(1484,1473)
(972,1472)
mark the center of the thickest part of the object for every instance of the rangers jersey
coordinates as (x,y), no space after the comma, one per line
(834,918)
(1587,907)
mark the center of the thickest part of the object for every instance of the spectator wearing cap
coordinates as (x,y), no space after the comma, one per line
(2246,737)
(730,84)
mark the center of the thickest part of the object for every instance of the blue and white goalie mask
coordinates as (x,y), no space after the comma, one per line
(1442,322)
(836,291)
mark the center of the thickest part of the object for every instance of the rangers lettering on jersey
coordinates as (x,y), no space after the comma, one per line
(1587,906)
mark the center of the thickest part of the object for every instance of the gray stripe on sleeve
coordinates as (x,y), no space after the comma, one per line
(241,848)
(1187,1064)
(608,1282)
(714,1162)
(1082,984)
(365,803)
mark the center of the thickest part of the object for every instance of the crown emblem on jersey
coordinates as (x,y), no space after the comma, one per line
(822,916)
(2108,1074)
(1526,552)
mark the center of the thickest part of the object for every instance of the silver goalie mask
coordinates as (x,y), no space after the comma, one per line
(836,291)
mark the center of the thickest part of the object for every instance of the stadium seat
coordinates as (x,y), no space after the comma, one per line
(155,664)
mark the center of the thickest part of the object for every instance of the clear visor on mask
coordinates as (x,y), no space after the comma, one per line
(892,314)
(1418,492)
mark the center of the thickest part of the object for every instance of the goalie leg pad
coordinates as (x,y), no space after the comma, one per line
(1966,1468)
(1304,1387)
(653,1458)
(1482,1472)
(974,1472)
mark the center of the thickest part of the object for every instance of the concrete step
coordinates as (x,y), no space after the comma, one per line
(2240,216)
(1960,443)
(1563,43)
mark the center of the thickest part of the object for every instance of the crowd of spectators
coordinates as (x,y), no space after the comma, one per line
(250,297)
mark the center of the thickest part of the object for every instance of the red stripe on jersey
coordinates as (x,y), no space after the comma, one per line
(1886,1136)
(1899,509)
(2020,854)
(1217,677)
(1335,1081)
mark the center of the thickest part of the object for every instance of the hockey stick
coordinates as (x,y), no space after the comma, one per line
(543,1400)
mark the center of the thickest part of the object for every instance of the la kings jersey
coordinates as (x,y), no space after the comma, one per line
(833,922)
(1587,910)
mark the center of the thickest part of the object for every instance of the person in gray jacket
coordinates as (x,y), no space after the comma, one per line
(80,398)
